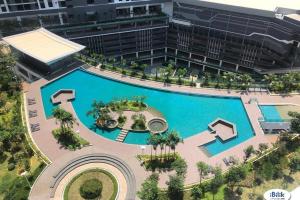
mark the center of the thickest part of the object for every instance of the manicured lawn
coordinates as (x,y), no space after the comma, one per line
(110,186)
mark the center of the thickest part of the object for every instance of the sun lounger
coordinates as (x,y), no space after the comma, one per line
(32,115)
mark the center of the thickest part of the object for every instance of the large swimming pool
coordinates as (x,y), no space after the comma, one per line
(188,114)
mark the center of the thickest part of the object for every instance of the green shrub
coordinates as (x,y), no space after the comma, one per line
(19,190)
(11,166)
(91,189)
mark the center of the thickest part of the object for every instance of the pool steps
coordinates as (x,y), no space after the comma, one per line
(121,137)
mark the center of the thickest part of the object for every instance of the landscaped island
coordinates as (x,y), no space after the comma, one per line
(129,114)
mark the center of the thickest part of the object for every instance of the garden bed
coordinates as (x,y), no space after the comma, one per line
(109,190)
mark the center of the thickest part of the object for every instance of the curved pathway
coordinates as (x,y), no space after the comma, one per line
(127,152)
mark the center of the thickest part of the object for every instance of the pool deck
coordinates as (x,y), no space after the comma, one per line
(189,150)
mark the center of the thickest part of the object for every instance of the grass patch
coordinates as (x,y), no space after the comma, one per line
(110,185)
(69,139)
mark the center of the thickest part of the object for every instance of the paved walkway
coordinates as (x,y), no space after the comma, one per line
(188,150)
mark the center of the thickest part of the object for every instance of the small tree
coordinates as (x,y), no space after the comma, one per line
(262,147)
(295,122)
(175,187)
(181,73)
(149,189)
(248,152)
(203,169)
(294,164)
(196,192)
(234,176)
(143,68)
(180,166)
(216,182)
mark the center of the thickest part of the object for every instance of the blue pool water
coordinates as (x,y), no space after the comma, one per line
(188,114)
(270,113)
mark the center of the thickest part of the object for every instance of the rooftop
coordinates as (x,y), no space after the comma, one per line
(43,45)
(269,5)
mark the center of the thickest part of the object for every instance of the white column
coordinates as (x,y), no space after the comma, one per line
(131,11)
(61,19)
(137,54)
(176,51)
(151,52)
(220,64)
(203,68)
(151,61)
(190,56)
(204,60)
(237,67)
(189,64)
(6,6)
(219,72)
(147,9)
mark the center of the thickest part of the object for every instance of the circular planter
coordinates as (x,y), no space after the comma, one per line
(157,125)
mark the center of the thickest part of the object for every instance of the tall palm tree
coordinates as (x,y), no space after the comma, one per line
(203,169)
(65,118)
(143,67)
(123,63)
(245,80)
(101,58)
(229,78)
(154,141)
(161,142)
(96,111)
(181,72)
(174,140)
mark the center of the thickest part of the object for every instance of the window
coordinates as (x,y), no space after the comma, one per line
(90,1)
(50,4)
(3,9)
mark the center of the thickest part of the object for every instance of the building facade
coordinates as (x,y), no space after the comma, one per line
(203,35)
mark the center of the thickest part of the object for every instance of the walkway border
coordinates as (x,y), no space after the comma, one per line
(96,158)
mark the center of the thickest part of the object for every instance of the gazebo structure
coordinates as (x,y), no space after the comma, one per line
(41,53)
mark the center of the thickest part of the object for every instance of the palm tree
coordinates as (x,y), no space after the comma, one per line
(161,142)
(206,78)
(101,58)
(229,78)
(112,61)
(245,80)
(123,63)
(134,65)
(65,118)
(270,79)
(203,169)
(288,81)
(143,67)
(174,140)
(154,141)
(96,109)
(181,72)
